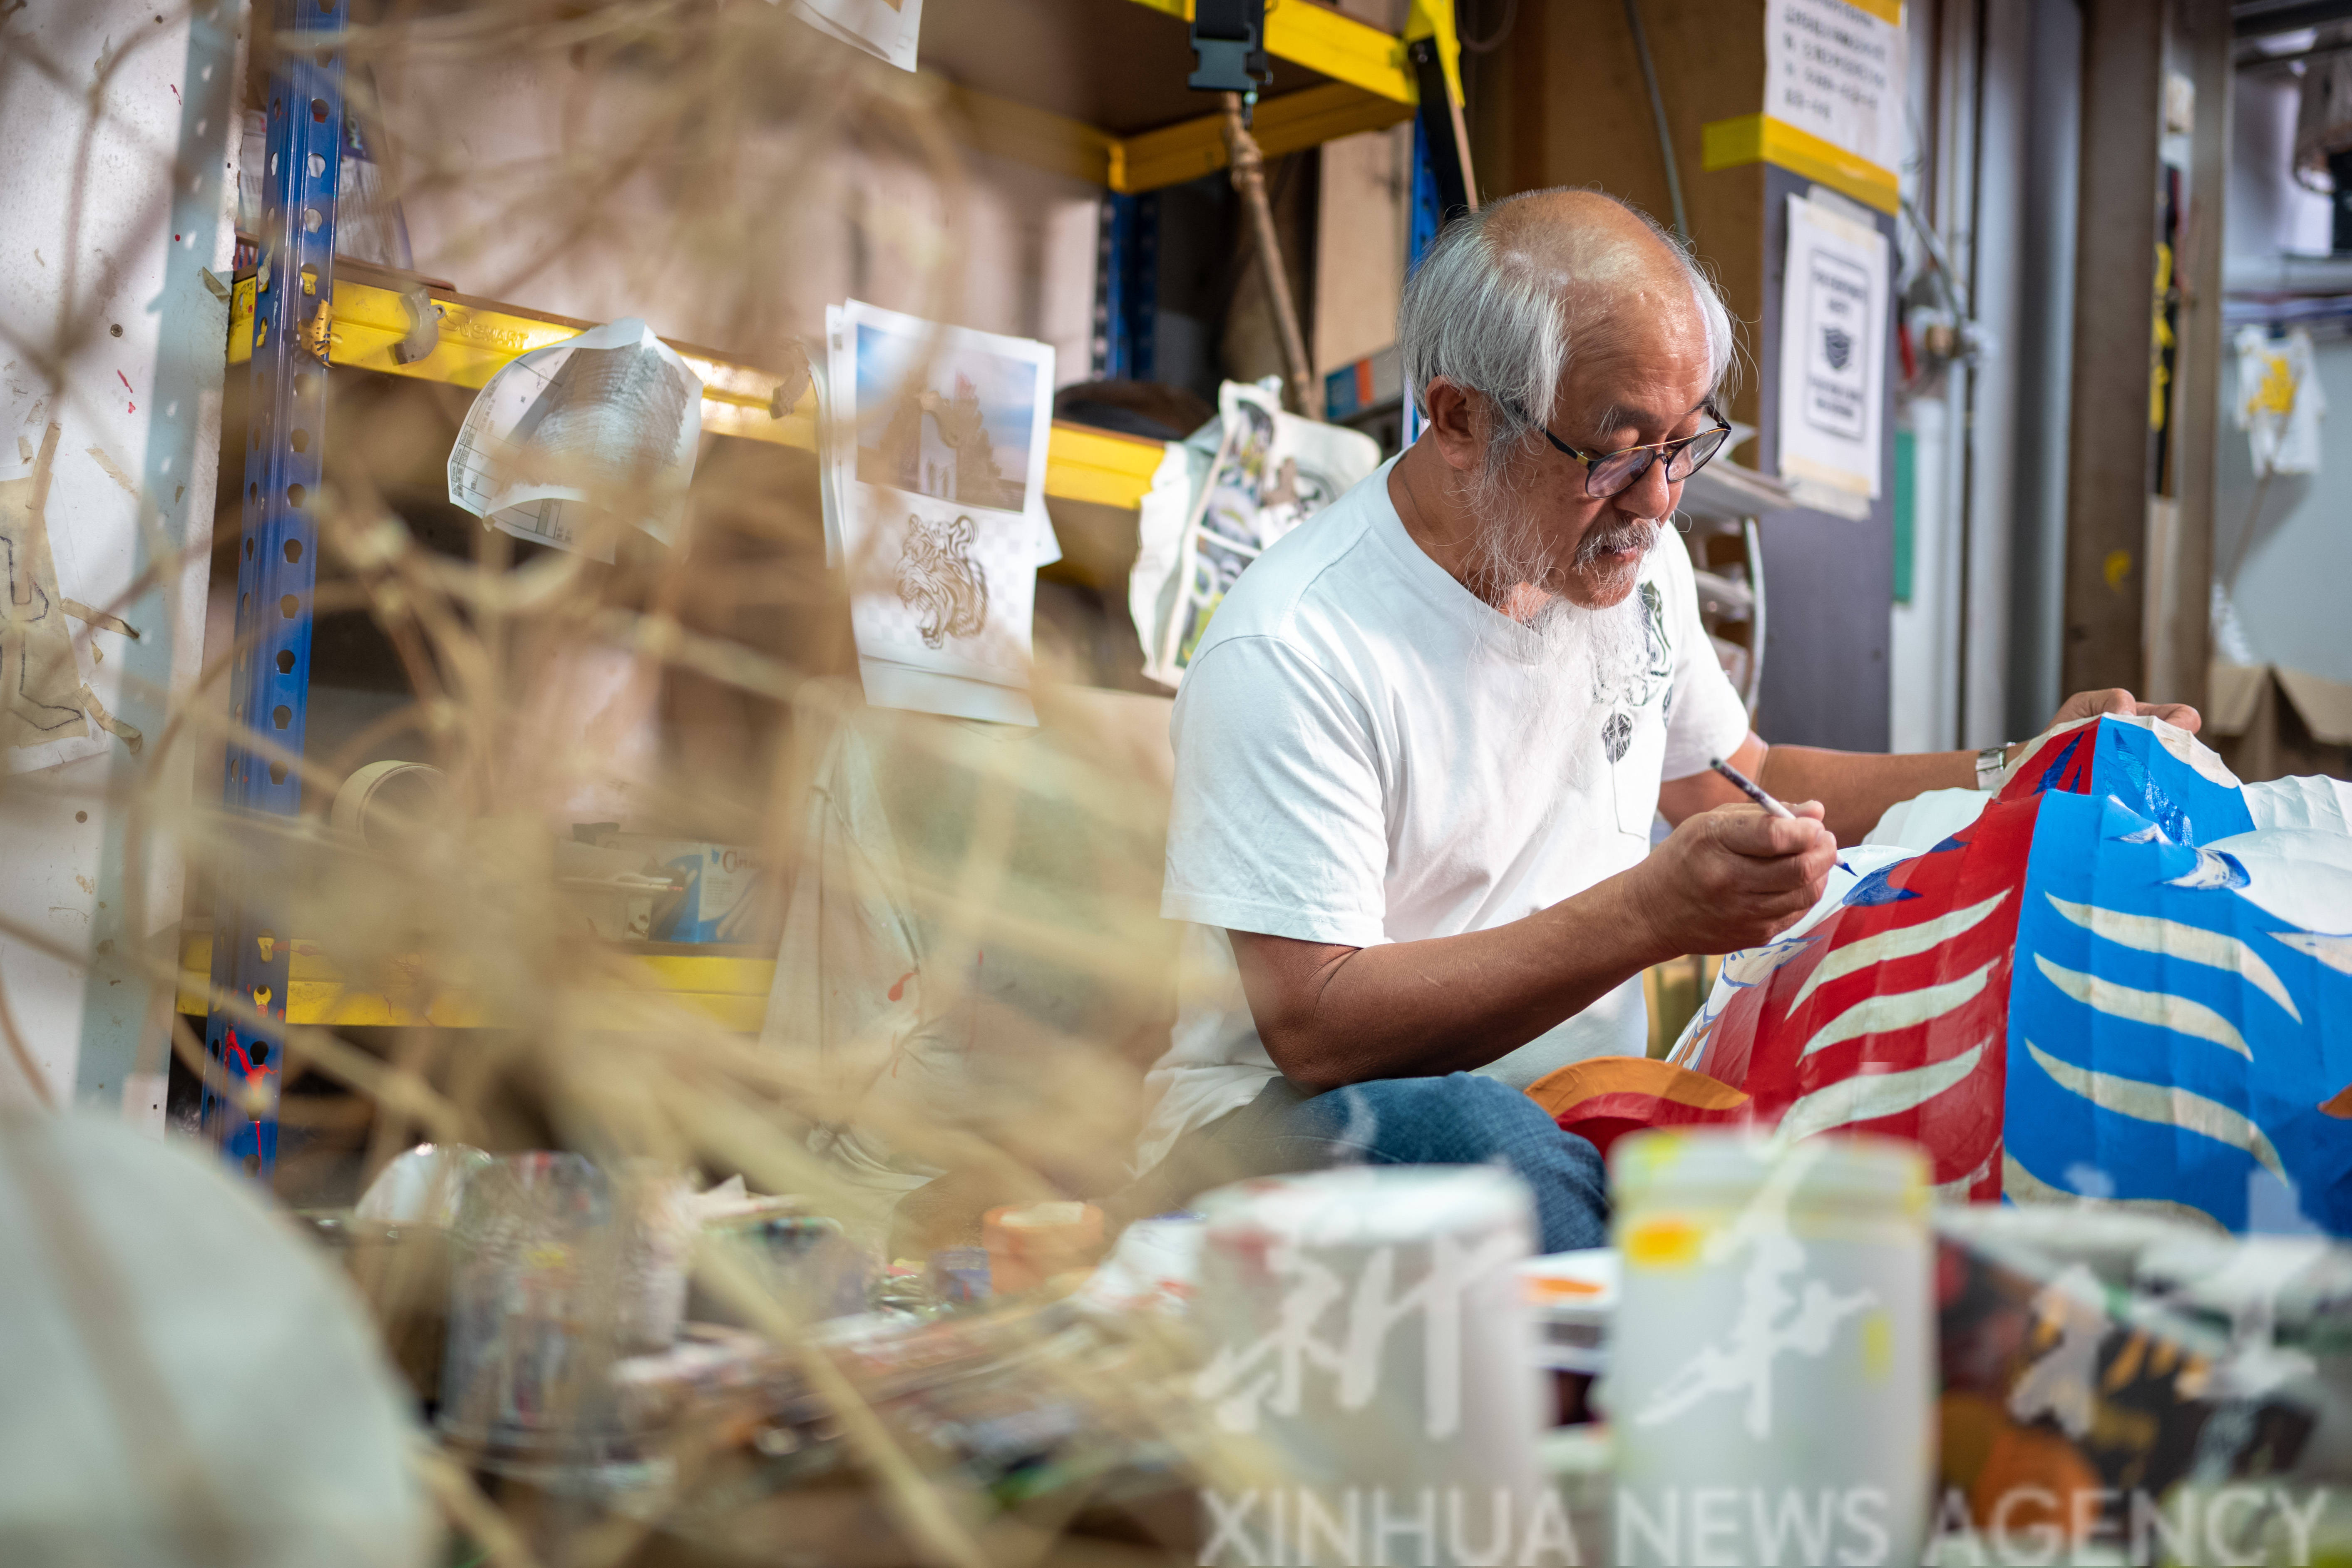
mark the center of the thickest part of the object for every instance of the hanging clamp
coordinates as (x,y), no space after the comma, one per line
(1228,39)
(792,384)
(424,327)
(319,331)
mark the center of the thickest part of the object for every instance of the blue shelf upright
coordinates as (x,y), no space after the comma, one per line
(276,570)
(1126,287)
(1421,232)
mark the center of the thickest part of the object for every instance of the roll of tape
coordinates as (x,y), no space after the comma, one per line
(360,804)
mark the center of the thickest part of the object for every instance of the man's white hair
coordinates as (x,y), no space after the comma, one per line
(1486,317)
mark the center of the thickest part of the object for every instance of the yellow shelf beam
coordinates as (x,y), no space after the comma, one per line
(1327,42)
(1372,87)
(1291,123)
(732,991)
(479,338)
(1174,153)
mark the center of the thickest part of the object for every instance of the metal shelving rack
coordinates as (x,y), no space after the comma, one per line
(1373,79)
(277,569)
(294,318)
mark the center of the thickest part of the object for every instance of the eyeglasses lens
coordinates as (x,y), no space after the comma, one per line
(1688,461)
(1617,472)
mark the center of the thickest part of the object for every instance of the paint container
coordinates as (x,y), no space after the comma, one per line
(1154,1268)
(1573,1296)
(1771,1362)
(1369,1327)
(556,1270)
(1031,1243)
(802,1261)
(959,1276)
(1581,1466)
(421,1185)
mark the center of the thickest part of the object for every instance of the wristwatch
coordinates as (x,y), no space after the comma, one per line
(1990,761)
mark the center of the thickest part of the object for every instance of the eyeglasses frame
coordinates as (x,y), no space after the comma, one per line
(1667,449)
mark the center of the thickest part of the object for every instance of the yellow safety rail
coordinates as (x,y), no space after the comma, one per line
(1327,42)
(728,988)
(1372,87)
(479,338)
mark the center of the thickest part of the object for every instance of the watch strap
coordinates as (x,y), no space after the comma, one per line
(1990,763)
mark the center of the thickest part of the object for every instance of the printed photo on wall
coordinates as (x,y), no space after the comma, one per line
(936,442)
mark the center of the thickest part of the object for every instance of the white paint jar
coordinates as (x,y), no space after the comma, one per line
(1771,1375)
(1368,1328)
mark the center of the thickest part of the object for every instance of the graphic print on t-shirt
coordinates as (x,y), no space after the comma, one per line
(1655,674)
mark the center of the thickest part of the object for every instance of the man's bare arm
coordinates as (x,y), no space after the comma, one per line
(1331,1015)
(1856,787)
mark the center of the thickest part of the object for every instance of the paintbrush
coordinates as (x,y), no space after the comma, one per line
(1750,788)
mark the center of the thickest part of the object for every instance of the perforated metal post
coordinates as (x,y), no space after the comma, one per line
(277,568)
(1126,287)
(1421,233)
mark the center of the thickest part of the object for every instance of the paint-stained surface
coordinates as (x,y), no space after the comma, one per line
(42,720)
(116,119)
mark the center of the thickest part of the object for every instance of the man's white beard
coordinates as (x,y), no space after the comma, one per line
(1511,558)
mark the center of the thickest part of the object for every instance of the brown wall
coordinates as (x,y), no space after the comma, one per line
(1562,102)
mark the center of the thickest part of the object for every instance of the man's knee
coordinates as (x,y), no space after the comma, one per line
(1460,1119)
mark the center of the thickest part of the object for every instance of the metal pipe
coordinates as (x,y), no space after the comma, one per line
(1658,115)
(2291,16)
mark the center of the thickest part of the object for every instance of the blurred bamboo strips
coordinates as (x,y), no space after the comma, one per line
(699,162)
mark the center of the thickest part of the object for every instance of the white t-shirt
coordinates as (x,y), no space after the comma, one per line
(1356,764)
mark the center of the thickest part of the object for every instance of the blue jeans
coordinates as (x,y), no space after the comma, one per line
(1458,1120)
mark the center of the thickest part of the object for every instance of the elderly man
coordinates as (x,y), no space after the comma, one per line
(1419,748)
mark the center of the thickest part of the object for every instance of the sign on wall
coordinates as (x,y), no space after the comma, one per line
(1833,315)
(1834,68)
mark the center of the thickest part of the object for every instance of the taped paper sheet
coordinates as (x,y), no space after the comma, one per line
(2280,402)
(1833,357)
(1834,68)
(560,436)
(935,454)
(1252,476)
(883,28)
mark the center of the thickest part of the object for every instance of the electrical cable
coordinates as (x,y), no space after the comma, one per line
(1936,254)
(1658,113)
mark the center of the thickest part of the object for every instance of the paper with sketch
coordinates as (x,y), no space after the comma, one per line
(1253,475)
(883,28)
(936,449)
(566,434)
(1833,357)
(46,720)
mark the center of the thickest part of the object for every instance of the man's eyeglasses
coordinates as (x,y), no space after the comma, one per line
(1612,473)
